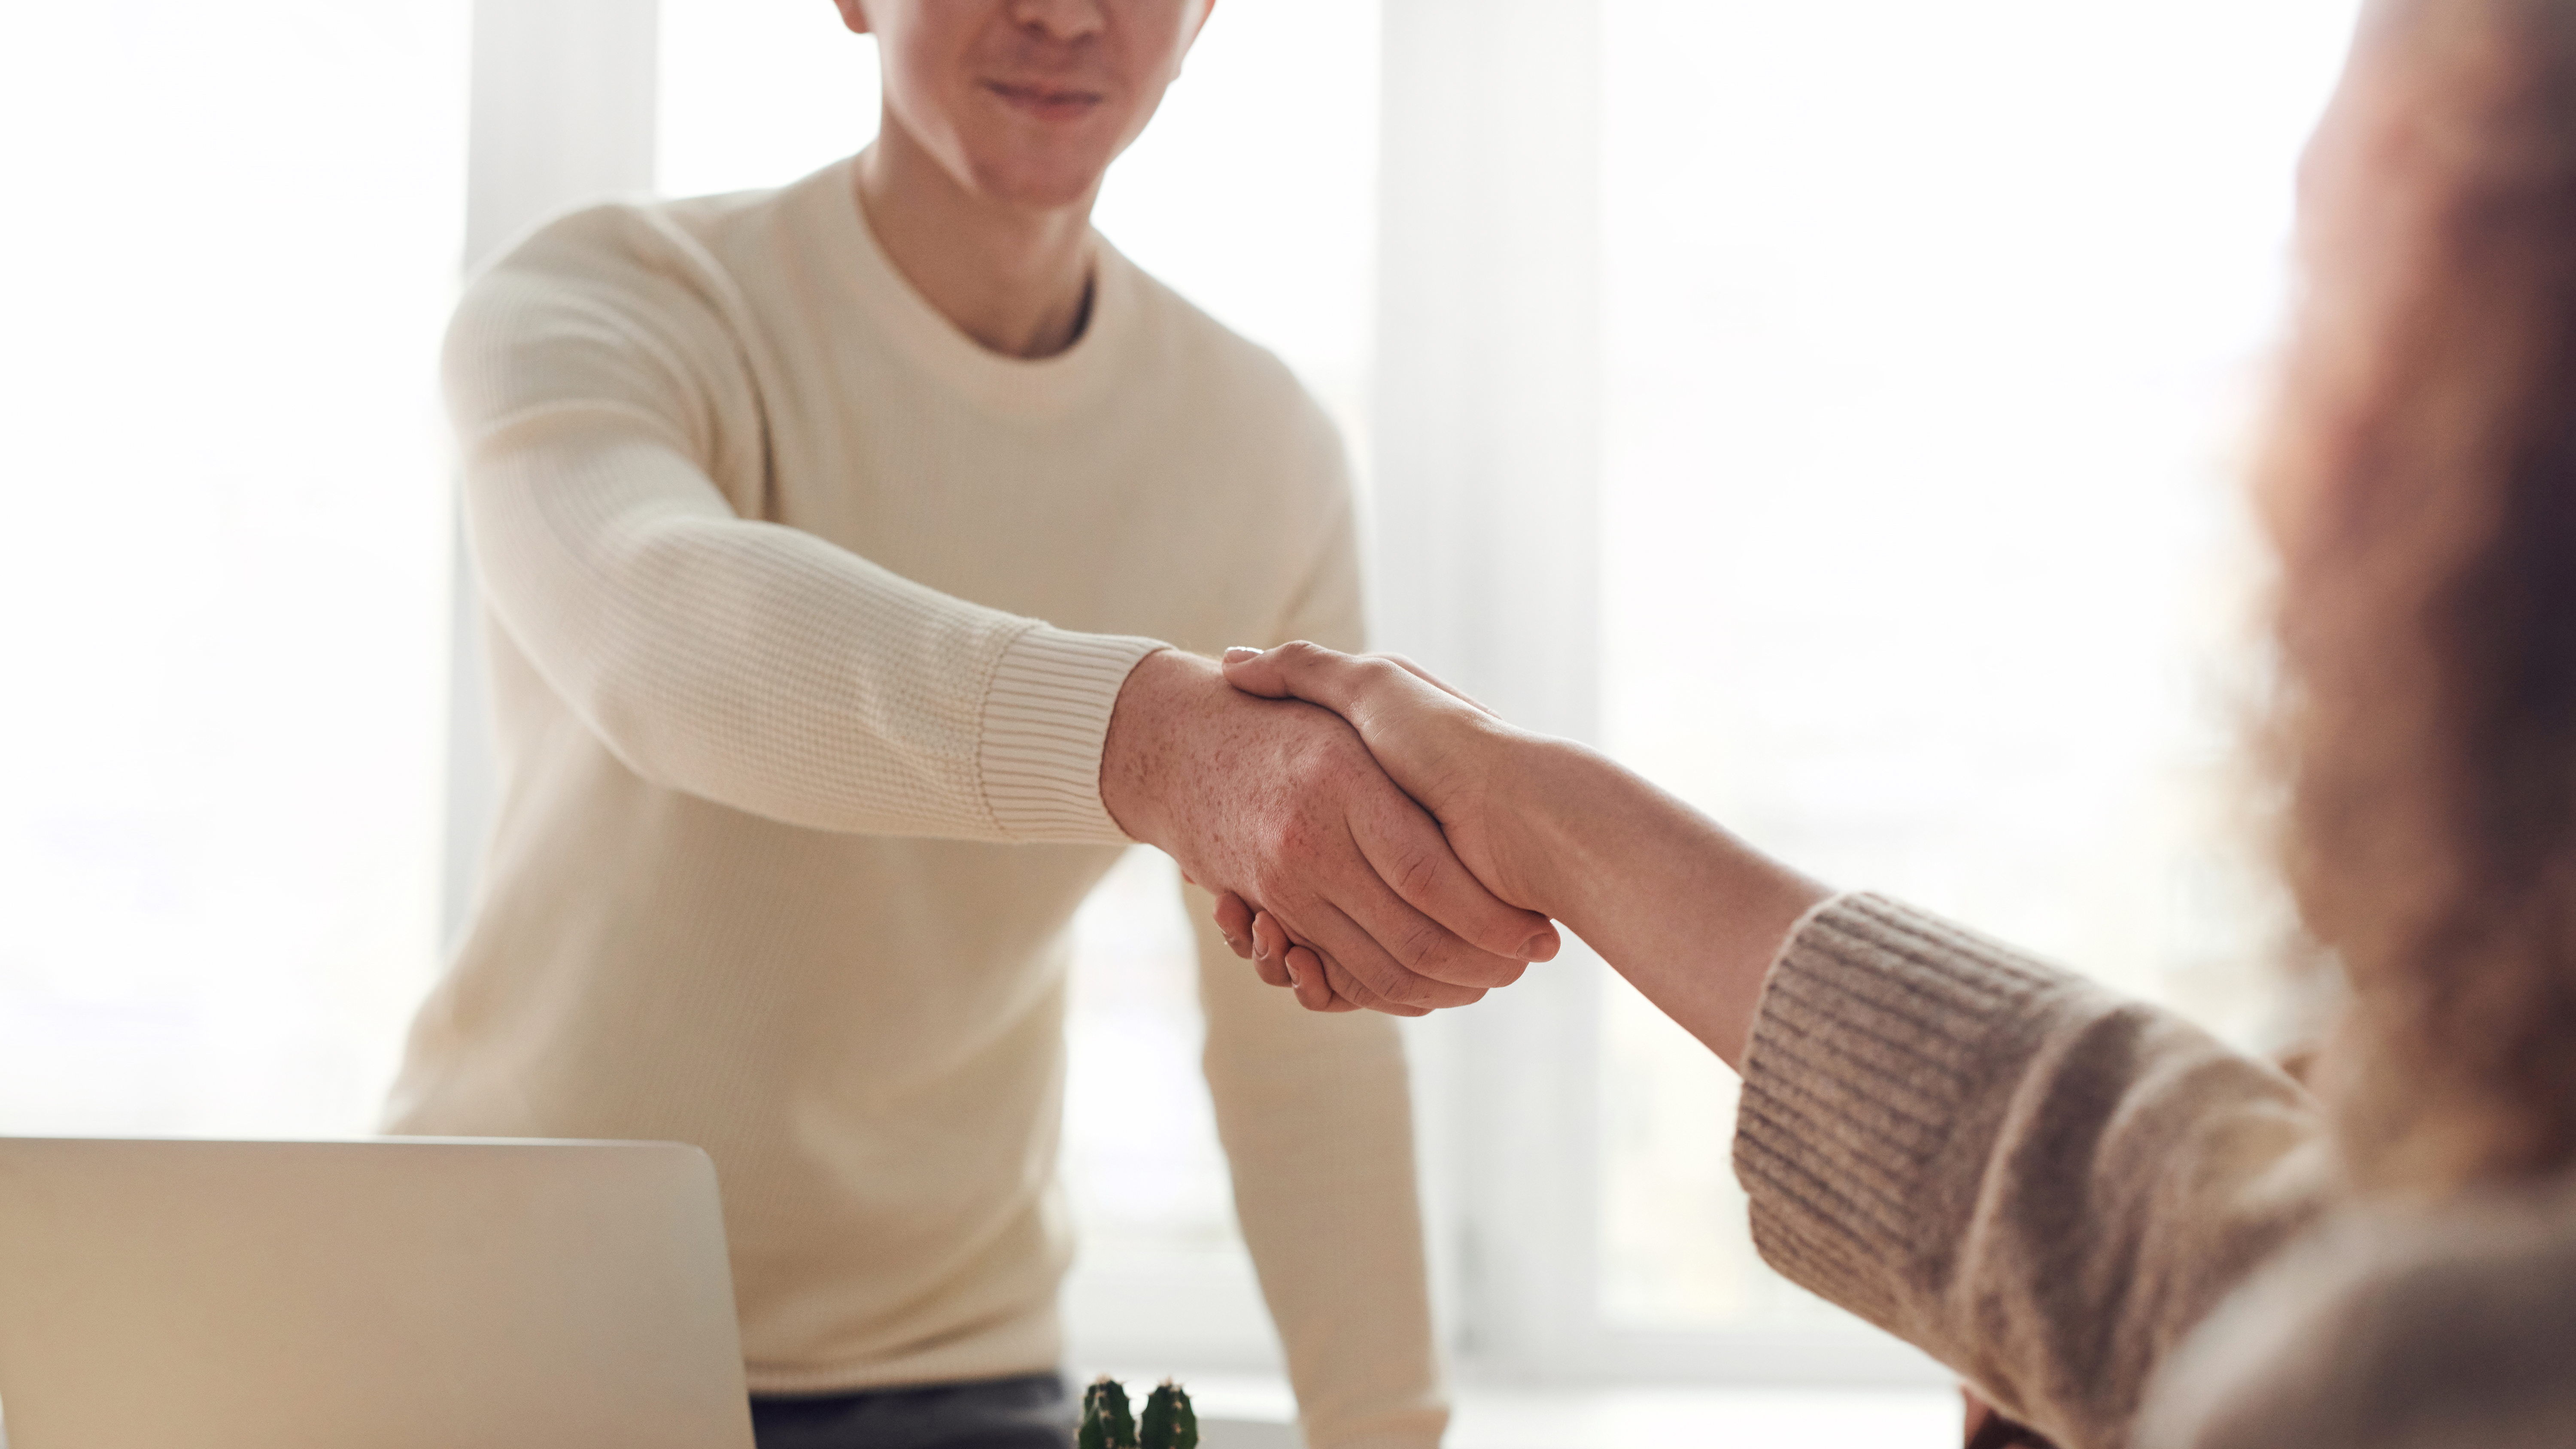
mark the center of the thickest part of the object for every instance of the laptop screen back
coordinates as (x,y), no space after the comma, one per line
(388,1293)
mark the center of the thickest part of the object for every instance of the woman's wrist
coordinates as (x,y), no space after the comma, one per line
(1691,914)
(1545,792)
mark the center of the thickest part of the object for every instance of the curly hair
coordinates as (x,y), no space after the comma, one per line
(2419,484)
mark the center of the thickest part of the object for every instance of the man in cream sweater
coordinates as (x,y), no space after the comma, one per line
(850,557)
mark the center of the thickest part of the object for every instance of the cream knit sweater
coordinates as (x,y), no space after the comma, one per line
(799,793)
(2123,1232)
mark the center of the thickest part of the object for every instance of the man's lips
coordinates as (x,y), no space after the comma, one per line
(1046,102)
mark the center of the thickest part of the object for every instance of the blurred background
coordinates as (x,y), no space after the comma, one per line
(1833,410)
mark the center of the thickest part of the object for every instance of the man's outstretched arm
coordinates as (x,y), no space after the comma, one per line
(597,401)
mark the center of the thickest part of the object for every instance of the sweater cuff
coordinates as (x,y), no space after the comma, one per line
(1046,716)
(1877,1031)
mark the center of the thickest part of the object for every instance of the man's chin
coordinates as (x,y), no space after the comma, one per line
(1042,188)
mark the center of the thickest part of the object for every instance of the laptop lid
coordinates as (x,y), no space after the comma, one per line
(397,1293)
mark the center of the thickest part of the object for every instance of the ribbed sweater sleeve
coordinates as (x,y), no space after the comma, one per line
(2040,1183)
(594,389)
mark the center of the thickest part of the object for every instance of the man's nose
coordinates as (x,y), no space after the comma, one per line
(1060,19)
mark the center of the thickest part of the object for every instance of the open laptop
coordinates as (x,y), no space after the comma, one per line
(395,1294)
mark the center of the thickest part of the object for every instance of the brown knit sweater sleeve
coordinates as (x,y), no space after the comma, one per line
(2040,1183)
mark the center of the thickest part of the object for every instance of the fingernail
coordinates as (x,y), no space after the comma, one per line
(1240,653)
(1538,946)
(1260,948)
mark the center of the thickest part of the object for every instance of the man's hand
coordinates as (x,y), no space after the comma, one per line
(1439,746)
(1434,742)
(1280,803)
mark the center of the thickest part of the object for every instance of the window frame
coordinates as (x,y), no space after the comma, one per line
(562,110)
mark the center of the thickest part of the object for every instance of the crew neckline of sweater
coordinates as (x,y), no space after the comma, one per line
(1024,389)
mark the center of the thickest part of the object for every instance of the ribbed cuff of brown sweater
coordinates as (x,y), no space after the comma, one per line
(1881,1033)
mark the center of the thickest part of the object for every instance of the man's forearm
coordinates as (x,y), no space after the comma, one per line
(770,671)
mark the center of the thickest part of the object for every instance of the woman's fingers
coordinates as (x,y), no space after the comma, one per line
(1300,670)
(1344,991)
(1314,984)
(1234,920)
(1338,1002)
(1339,682)
(1270,946)
(1281,962)
(1438,683)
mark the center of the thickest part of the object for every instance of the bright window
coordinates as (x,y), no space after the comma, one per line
(1931,333)
(232,251)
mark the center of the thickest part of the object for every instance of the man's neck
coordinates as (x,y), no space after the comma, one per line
(1016,279)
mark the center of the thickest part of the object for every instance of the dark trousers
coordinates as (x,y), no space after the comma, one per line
(1029,1411)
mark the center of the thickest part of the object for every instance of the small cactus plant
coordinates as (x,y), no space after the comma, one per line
(1169,1421)
(1106,1424)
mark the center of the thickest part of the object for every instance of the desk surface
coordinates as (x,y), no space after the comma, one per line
(1253,1413)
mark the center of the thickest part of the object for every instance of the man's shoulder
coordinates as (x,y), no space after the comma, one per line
(634,238)
(628,301)
(626,270)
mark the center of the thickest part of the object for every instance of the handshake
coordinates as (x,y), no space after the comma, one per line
(1439,747)
(1376,839)
(1339,809)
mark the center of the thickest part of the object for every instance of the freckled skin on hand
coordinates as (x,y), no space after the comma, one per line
(1282,803)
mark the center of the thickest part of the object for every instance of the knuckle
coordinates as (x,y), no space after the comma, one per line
(1309,772)
(1342,980)
(1418,945)
(1417,870)
(1371,992)
(1284,837)
(1427,998)
(1419,991)
(1332,753)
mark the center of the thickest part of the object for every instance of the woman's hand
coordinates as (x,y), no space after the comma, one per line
(1283,802)
(1690,914)
(1440,747)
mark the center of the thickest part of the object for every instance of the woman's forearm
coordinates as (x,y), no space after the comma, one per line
(1690,914)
